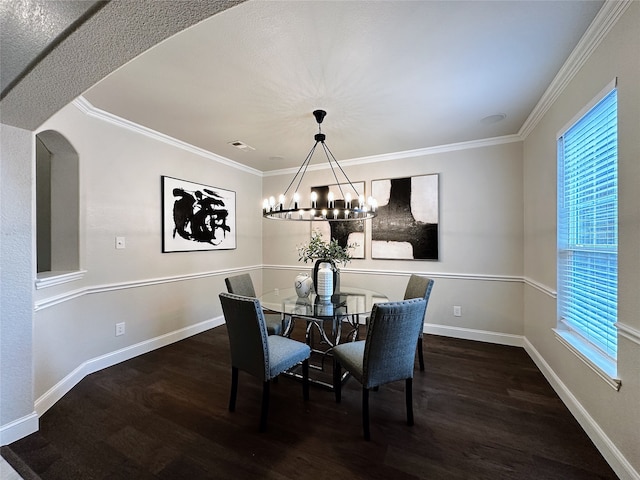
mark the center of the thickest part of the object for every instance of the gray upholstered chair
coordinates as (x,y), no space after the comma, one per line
(386,355)
(257,353)
(419,287)
(243,285)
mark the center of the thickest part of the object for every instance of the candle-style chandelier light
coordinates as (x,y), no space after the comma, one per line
(352,206)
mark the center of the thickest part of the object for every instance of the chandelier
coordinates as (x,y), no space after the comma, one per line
(351,207)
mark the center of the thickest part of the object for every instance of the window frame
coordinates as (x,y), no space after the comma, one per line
(602,361)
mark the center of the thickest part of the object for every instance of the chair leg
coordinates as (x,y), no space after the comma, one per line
(265,406)
(420,357)
(365,413)
(234,389)
(408,389)
(305,380)
(337,381)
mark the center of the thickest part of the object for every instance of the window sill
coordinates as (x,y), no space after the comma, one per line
(51,279)
(603,366)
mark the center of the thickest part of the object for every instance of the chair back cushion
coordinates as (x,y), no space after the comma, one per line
(240,285)
(247,334)
(390,345)
(418,287)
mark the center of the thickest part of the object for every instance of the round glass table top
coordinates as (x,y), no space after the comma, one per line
(349,301)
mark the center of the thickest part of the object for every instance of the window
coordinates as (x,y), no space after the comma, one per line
(588,229)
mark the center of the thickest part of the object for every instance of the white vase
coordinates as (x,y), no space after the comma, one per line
(324,287)
(303,285)
(324,309)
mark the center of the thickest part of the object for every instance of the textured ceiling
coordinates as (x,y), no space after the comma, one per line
(29,27)
(91,46)
(393,76)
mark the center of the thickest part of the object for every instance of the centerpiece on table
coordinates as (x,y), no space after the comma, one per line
(327,256)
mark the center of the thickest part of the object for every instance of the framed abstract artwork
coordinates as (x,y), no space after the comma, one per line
(346,233)
(197,217)
(408,216)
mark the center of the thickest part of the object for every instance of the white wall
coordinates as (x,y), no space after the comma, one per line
(612,418)
(481,240)
(155,293)
(16,280)
(140,281)
(160,294)
(109,38)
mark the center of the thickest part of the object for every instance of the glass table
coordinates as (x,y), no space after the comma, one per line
(324,320)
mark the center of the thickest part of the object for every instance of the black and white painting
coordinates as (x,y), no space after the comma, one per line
(197,217)
(406,226)
(346,233)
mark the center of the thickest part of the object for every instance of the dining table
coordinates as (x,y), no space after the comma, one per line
(325,320)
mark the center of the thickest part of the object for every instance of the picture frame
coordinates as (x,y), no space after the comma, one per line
(407,223)
(346,233)
(197,217)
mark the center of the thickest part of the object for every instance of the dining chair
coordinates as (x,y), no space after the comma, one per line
(257,353)
(419,287)
(243,285)
(386,355)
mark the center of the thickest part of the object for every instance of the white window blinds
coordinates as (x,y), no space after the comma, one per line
(588,226)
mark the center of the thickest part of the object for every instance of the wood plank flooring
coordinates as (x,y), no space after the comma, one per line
(482,411)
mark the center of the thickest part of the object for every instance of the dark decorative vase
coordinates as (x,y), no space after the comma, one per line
(336,274)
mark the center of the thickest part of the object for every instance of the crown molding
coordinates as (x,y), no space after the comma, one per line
(605,20)
(419,152)
(87,108)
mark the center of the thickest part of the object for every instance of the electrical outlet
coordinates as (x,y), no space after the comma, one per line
(120,243)
(457,311)
(119,329)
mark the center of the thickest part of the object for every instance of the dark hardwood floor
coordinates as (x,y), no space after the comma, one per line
(482,411)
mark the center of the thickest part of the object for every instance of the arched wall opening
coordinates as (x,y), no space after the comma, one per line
(57,205)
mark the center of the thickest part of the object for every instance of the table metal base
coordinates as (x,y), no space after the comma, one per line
(322,342)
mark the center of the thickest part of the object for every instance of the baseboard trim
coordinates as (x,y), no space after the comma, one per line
(29,424)
(55,393)
(607,448)
(472,334)
(19,428)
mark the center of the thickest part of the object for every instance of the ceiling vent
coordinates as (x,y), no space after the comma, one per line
(241,146)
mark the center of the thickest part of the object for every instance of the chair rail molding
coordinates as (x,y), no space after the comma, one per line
(628,332)
(109,287)
(541,287)
(406,273)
